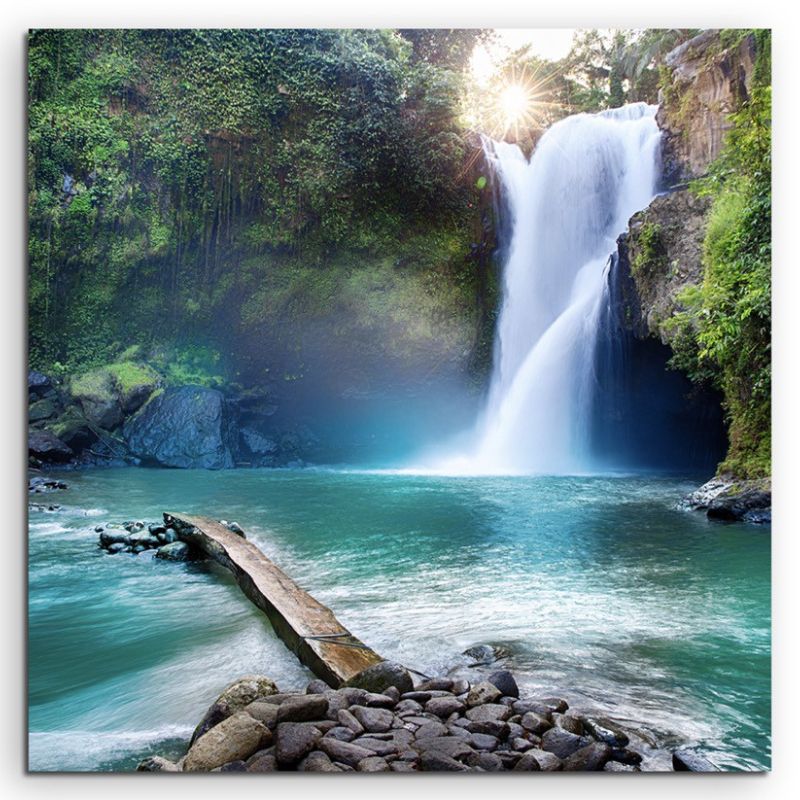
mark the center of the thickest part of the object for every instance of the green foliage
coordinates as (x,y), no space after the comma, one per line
(728,319)
(161,160)
(189,364)
(650,254)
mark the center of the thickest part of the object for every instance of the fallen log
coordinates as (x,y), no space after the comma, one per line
(308,628)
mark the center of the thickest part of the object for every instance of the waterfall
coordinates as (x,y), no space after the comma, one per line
(587,176)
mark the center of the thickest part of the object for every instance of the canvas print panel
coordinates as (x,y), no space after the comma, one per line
(399,400)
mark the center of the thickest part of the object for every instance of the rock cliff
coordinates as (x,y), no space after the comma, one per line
(706,82)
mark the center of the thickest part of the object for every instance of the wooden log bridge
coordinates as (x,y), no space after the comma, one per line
(308,628)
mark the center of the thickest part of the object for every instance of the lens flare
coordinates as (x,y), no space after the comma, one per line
(514,103)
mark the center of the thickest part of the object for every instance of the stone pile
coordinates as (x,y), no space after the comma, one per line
(442,725)
(136,536)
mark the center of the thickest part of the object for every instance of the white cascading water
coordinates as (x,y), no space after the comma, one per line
(588,175)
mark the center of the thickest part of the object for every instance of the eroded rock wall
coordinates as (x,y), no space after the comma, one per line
(707,82)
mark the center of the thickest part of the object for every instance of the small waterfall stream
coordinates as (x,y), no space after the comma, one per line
(588,175)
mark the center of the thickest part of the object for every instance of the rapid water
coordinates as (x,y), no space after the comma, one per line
(587,176)
(596,588)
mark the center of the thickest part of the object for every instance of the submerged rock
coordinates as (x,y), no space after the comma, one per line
(40,485)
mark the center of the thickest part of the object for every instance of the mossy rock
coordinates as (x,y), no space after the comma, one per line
(96,394)
(74,430)
(134,383)
(42,410)
(107,393)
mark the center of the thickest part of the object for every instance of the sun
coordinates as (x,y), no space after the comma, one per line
(514,102)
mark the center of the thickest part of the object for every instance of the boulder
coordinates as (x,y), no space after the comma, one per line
(267,713)
(348,720)
(436,761)
(444,706)
(190,427)
(731,507)
(374,720)
(437,685)
(235,738)
(481,654)
(303,708)
(344,752)
(453,746)
(381,676)
(483,692)
(535,723)
(568,723)
(528,763)
(380,747)
(74,430)
(133,383)
(44,446)
(341,733)
(41,410)
(548,762)
(606,731)
(317,762)
(563,743)
(176,551)
(39,385)
(489,712)
(591,758)
(95,392)
(294,740)
(615,766)
(488,762)
(373,764)
(483,741)
(107,538)
(262,762)
(234,697)
(505,682)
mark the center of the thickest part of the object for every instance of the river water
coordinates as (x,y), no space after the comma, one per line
(595,588)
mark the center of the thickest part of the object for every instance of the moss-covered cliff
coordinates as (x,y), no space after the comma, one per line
(248,204)
(700,255)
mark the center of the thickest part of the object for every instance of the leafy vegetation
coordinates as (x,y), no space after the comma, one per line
(172,174)
(725,333)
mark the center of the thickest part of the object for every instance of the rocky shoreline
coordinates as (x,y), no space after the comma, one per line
(371,725)
(727,499)
(125,413)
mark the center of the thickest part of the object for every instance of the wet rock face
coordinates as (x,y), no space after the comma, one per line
(663,254)
(709,82)
(189,427)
